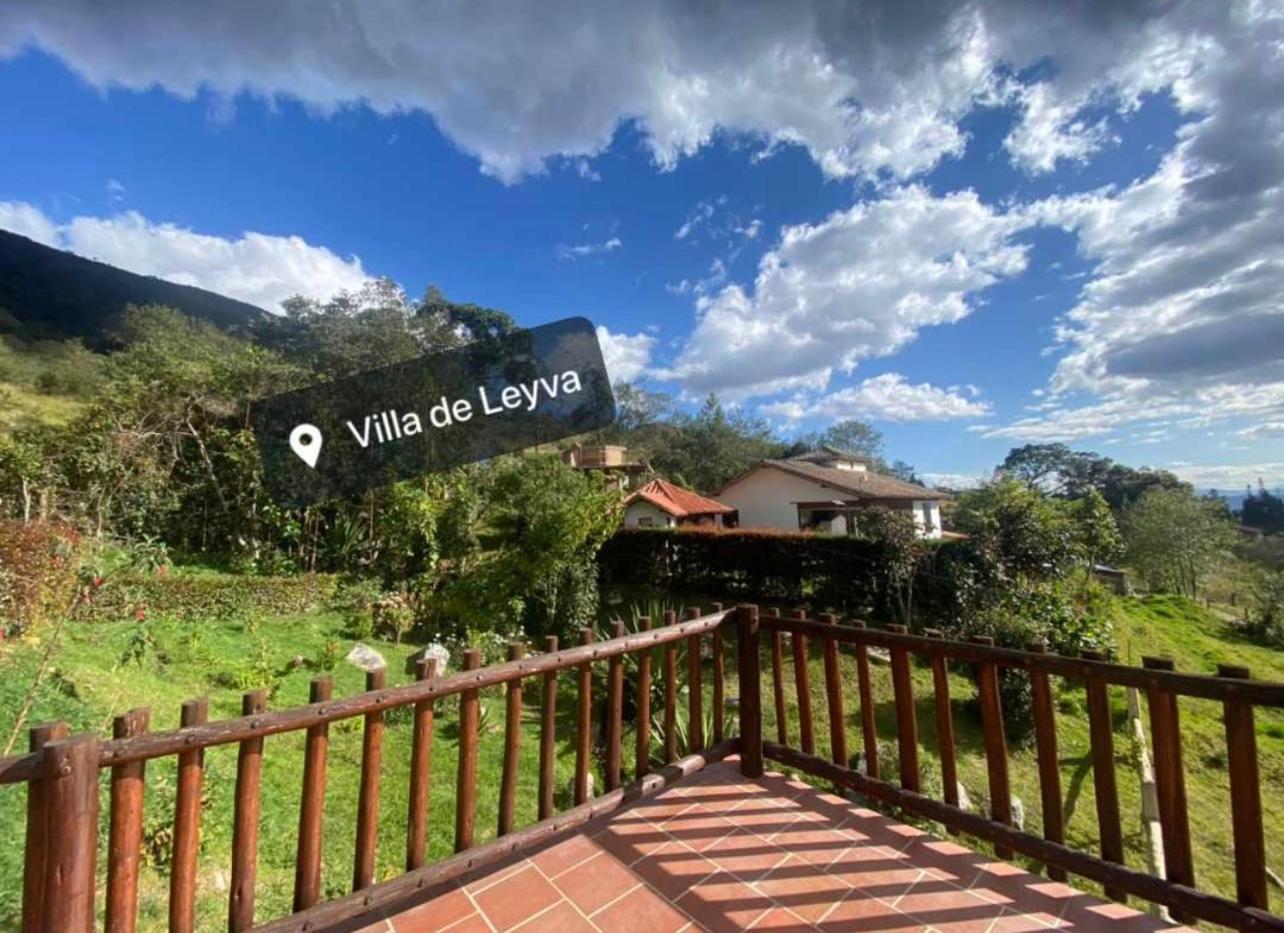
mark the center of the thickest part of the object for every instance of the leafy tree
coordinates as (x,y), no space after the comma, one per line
(1030,535)
(1263,510)
(901,551)
(714,445)
(1096,530)
(1066,473)
(1174,539)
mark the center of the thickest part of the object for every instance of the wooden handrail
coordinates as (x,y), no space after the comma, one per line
(20,768)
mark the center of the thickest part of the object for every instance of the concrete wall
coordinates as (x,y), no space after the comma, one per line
(644,509)
(766,497)
(929,525)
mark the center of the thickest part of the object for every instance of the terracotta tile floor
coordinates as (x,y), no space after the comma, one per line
(718,852)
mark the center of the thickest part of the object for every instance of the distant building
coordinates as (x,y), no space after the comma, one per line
(823,490)
(611,460)
(661,504)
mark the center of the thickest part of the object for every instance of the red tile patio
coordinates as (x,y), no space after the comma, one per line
(719,852)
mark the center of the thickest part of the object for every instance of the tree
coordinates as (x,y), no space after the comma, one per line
(1263,510)
(1030,535)
(1174,539)
(1069,474)
(1096,530)
(707,449)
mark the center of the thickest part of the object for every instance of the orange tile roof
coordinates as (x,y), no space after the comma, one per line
(676,501)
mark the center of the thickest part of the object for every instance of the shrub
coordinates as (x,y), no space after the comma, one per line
(40,562)
(1265,620)
(191,598)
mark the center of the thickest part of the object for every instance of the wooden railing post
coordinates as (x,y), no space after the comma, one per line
(512,745)
(719,679)
(584,724)
(695,693)
(802,685)
(750,692)
(37,850)
(363,862)
(996,745)
(834,697)
(420,771)
(670,692)
(1045,740)
(1246,794)
(126,832)
(1102,742)
(868,725)
(69,768)
(307,862)
(642,762)
(548,736)
(466,773)
(906,716)
(245,821)
(944,725)
(1170,781)
(187,824)
(614,713)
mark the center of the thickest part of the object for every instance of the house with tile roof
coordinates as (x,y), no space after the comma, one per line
(661,504)
(824,490)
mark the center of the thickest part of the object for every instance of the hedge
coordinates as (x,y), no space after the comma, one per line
(196,597)
(763,565)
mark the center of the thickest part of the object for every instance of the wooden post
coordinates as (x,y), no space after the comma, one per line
(548,736)
(944,725)
(906,717)
(719,680)
(1170,781)
(695,693)
(802,685)
(245,821)
(1101,737)
(1246,794)
(126,833)
(614,713)
(512,745)
(1045,740)
(750,692)
(778,681)
(187,824)
(307,862)
(69,768)
(834,697)
(642,760)
(670,693)
(466,774)
(363,862)
(420,771)
(33,878)
(868,725)
(584,724)
(996,745)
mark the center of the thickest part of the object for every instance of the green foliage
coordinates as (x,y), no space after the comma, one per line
(1066,473)
(1030,535)
(1263,510)
(1174,539)
(198,597)
(1265,620)
(41,562)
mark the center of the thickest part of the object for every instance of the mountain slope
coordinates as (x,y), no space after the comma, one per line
(47,293)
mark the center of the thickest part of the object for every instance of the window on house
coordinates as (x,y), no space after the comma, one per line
(646,521)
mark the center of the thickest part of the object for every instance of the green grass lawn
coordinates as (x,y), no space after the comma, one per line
(1177,628)
(91,684)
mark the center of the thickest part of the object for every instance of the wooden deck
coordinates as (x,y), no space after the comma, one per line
(721,852)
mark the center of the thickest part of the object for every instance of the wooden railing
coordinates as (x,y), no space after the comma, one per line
(62,772)
(62,776)
(1156,678)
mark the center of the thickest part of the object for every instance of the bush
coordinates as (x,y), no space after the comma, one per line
(192,598)
(1265,620)
(39,562)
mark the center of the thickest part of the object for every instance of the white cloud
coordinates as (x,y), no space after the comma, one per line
(860,284)
(955,480)
(26,220)
(256,267)
(869,89)
(888,397)
(1049,132)
(1230,476)
(626,355)
(580,250)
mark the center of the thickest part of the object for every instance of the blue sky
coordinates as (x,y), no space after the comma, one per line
(1022,230)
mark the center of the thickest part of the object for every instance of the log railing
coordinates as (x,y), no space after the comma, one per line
(62,774)
(1163,687)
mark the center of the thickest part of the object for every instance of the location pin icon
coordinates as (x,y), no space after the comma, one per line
(305,440)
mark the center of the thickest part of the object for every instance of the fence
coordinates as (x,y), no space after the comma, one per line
(62,773)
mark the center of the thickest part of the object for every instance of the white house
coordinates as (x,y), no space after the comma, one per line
(661,504)
(821,490)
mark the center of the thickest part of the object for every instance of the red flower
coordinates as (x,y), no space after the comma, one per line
(140,614)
